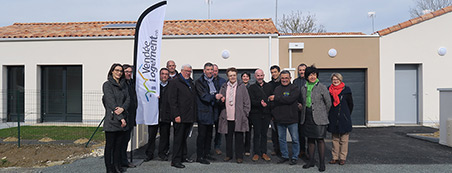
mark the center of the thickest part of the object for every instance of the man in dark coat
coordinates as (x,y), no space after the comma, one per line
(164,116)
(219,81)
(300,81)
(130,119)
(182,100)
(206,90)
(275,81)
(260,114)
(285,113)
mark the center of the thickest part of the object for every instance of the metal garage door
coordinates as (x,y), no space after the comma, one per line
(356,80)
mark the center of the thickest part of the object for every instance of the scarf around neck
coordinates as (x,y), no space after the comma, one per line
(308,93)
(232,92)
(212,88)
(335,91)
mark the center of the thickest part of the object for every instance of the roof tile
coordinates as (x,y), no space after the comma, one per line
(414,21)
(171,27)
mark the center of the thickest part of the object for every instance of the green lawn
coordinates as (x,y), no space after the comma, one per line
(54,132)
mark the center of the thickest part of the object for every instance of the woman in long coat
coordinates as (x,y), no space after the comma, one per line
(233,120)
(316,103)
(340,118)
(116,101)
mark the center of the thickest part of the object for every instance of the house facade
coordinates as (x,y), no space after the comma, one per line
(412,68)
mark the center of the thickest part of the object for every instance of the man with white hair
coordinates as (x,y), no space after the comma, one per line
(182,99)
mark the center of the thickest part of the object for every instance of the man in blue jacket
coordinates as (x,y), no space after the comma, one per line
(206,90)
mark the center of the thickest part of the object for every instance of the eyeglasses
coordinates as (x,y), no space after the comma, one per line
(127,71)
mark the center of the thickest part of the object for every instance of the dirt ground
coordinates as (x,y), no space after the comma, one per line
(38,155)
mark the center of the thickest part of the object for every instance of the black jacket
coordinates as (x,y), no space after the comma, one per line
(182,99)
(258,93)
(274,84)
(340,116)
(207,114)
(131,118)
(285,105)
(300,82)
(164,106)
(115,95)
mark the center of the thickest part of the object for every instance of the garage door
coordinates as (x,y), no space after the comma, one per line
(356,80)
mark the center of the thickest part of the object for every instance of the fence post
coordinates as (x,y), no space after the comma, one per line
(18,117)
(86,146)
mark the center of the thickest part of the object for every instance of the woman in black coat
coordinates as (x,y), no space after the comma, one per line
(116,101)
(339,116)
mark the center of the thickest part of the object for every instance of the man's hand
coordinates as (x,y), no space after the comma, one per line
(271,98)
(177,119)
(300,106)
(218,96)
(223,99)
(263,103)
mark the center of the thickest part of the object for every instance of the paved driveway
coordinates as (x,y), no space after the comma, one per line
(382,149)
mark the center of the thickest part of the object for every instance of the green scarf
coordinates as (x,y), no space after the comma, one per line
(308,94)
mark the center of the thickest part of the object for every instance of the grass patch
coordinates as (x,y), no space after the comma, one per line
(54,132)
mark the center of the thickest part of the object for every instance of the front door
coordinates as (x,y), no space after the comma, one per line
(406,94)
(61,95)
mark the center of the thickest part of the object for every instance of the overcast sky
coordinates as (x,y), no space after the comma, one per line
(335,15)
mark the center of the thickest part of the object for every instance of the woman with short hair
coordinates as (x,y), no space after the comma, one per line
(116,101)
(233,120)
(340,118)
(316,103)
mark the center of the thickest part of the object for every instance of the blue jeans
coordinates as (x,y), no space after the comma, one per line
(293,130)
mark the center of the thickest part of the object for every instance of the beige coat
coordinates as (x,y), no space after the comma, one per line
(242,109)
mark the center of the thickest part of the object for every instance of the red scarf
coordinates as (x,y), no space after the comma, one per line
(335,91)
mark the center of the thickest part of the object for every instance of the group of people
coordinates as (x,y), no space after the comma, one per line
(305,108)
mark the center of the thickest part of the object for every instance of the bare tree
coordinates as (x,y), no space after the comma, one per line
(425,6)
(296,22)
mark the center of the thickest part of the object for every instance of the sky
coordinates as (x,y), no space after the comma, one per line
(335,15)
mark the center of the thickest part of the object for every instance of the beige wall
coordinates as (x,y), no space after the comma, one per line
(353,52)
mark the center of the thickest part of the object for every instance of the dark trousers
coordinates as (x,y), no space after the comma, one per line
(260,129)
(275,138)
(217,139)
(164,141)
(124,145)
(248,137)
(204,140)
(181,132)
(302,139)
(152,133)
(112,152)
(239,146)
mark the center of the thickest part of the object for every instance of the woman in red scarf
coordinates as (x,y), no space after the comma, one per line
(339,116)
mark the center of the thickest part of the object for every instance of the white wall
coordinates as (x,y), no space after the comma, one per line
(97,55)
(417,44)
(245,52)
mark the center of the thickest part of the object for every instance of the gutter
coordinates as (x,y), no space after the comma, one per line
(132,37)
(329,36)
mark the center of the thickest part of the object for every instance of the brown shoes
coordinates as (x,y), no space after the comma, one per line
(342,162)
(218,151)
(227,159)
(265,157)
(334,161)
(255,158)
(239,160)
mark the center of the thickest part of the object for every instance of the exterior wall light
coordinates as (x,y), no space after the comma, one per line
(332,52)
(225,54)
(442,51)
